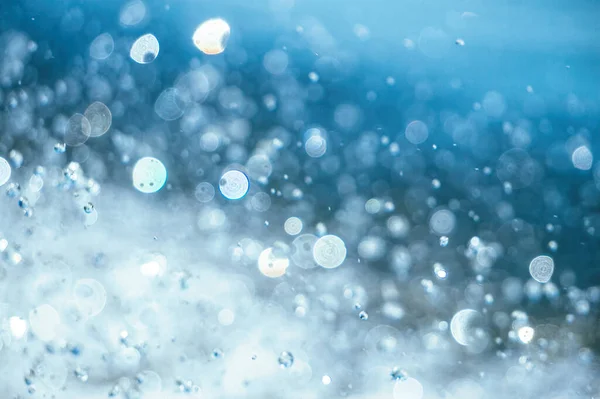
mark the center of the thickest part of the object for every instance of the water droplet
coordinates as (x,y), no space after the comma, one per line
(541,268)
(102,46)
(233,184)
(60,148)
(211,36)
(416,132)
(89,296)
(44,321)
(77,131)
(23,203)
(442,222)
(329,251)
(526,334)
(286,360)
(88,208)
(363,315)
(293,226)
(5,171)
(398,374)
(169,105)
(316,146)
(443,241)
(204,192)
(12,190)
(439,271)
(145,49)
(272,264)
(81,374)
(16,158)
(149,175)
(100,118)
(132,13)
(582,158)
(217,353)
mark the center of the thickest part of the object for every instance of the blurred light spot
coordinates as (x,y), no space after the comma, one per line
(276,62)
(211,36)
(582,158)
(316,146)
(303,251)
(408,388)
(442,222)
(233,184)
(132,13)
(149,175)
(89,296)
(293,226)
(5,171)
(541,268)
(77,130)
(18,327)
(461,326)
(150,269)
(329,251)
(226,317)
(43,321)
(271,264)
(526,334)
(494,104)
(169,105)
(204,192)
(102,46)
(145,49)
(99,117)
(416,132)
(286,360)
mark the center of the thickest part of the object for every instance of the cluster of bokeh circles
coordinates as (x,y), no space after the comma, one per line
(195,213)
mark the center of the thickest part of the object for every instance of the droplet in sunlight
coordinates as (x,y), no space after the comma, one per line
(442,222)
(272,264)
(293,226)
(211,36)
(582,158)
(234,184)
(463,325)
(145,49)
(18,327)
(316,146)
(541,268)
(149,175)
(329,251)
(526,334)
